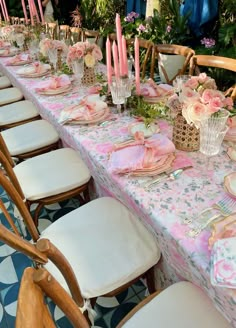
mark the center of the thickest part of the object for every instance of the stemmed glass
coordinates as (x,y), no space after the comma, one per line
(179,81)
(20,39)
(78,69)
(52,54)
(33,48)
(118,93)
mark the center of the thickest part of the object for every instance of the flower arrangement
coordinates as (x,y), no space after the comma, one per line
(89,51)
(47,44)
(198,99)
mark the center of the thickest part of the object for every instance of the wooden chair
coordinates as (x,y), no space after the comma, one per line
(146,47)
(51,28)
(17,113)
(30,139)
(32,311)
(91,36)
(180,305)
(214,61)
(64,31)
(5,82)
(172,49)
(75,34)
(10,95)
(76,251)
(48,178)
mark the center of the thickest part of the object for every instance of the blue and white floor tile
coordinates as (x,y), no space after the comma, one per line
(12,264)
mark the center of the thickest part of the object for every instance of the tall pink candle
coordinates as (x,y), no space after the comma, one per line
(115,59)
(137,66)
(108,61)
(31,12)
(3,12)
(41,11)
(119,43)
(6,12)
(35,13)
(24,10)
(124,52)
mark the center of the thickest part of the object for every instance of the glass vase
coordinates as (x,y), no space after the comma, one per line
(212,132)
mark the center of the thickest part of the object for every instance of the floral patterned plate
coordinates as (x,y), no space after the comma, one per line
(141,127)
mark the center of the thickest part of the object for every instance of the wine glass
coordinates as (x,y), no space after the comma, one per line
(78,69)
(20,39)
(33,48)
(118,93)
(52,54)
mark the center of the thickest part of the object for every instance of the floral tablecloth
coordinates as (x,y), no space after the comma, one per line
(164,206)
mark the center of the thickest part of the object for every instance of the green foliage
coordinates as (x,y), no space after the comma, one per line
(149,112)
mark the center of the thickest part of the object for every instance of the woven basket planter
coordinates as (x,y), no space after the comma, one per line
(89,77)
(185,137)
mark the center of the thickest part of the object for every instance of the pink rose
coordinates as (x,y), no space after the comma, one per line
(192,83)
(188,95)
(215,105)
(202,78)
(97,54)
(194,113)
(228,103)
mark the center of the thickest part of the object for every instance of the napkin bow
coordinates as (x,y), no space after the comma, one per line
(18,58)
(151,89)
(54,83)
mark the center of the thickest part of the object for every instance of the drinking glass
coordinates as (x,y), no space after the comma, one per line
(118,93)
(212,132)
(34,48)
(179,81)
(52,54)
(78,69)
(20,39)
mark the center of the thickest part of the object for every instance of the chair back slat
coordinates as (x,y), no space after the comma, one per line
(18,201)
(46,247)
(31,308)
(216,62)
(5,151)
(60,297)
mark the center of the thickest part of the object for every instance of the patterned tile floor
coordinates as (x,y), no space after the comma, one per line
(12,264)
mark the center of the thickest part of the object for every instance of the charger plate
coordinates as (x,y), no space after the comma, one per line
(53,92)
(223,228)
(103,115)
(20,63)
(230,184)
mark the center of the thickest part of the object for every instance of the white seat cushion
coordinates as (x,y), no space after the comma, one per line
(10,95)
(16,112)
(181,305)
(4,82)
(30,136)
(51,174)
(105,244)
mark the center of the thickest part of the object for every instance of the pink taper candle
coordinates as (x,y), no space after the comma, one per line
(137,66)
(3,12)
(119,43)
(35,13)
(6,12)
(115,59)
(41,11)
(124,52)
(108,61)
(31,12)
(24,10)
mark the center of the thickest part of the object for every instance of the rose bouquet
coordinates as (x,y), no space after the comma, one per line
(47,44)
(90,52)
(198,99)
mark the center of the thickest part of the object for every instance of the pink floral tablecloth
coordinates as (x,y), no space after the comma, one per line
(164,206)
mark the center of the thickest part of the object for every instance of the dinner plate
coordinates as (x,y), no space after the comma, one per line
(141,127)
(230,184)
(103,115)
(20,63)
(29,71)
(52,92)
(11,54)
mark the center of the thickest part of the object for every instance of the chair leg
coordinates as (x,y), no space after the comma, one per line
(150,276)
(86,195)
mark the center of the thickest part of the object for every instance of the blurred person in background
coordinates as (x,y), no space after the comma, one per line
(50,10)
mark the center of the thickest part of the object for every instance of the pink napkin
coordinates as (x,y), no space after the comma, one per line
(141,153)
(4,44)
(53,83)
(151,89)
(6,52)
(18,58)
(38,67)
(85,111)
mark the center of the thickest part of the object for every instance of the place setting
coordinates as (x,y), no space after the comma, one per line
(8,52)
(34,70)
(19,60)
(55,85)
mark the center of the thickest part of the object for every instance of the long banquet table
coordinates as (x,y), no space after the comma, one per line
(164,206)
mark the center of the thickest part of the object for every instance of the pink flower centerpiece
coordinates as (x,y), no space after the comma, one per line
(47,44)
(198,99)
(89,51)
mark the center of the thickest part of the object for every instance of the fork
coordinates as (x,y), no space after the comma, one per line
(226,206)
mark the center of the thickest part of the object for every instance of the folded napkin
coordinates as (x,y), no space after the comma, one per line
(140,153)
(5,52)
(88,109)
(35,68)
(151,89)
(18,58)
(4,44)
(53,83)
(223,263)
